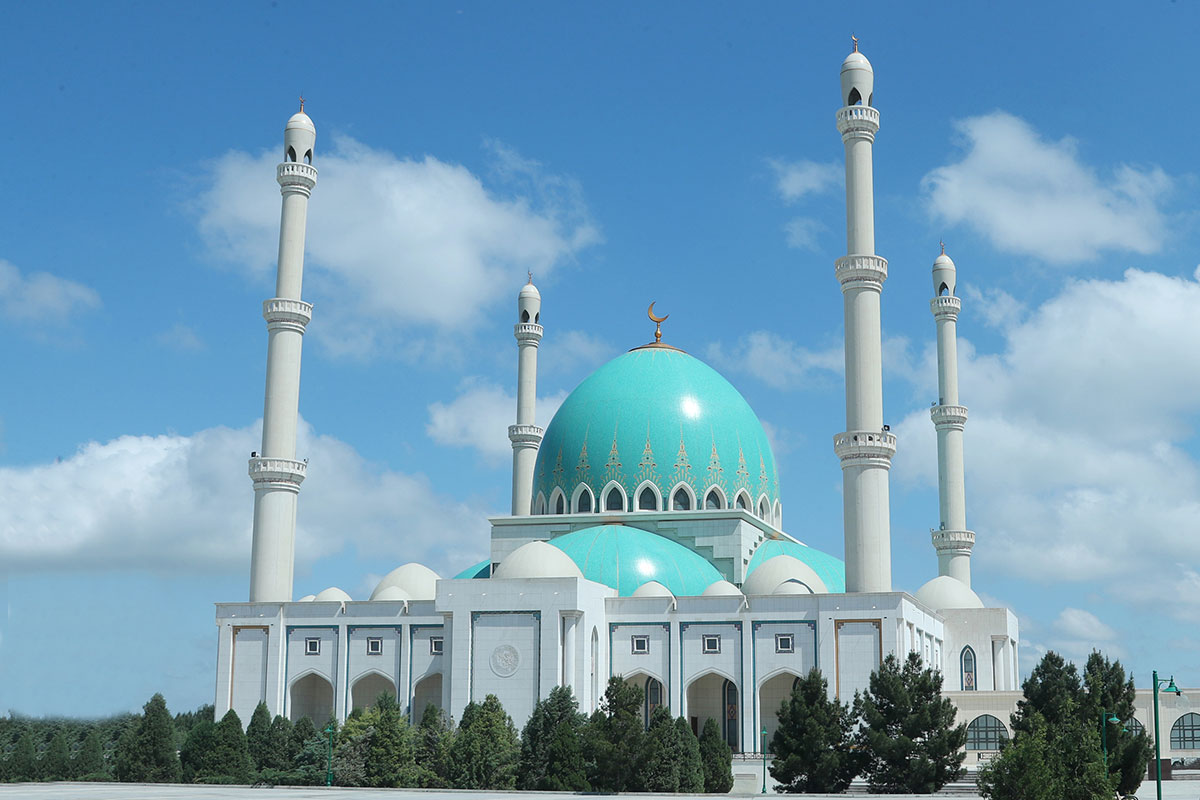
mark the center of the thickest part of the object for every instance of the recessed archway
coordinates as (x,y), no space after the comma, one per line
(366,690)
(427,692)
(713,696)
(312,697)
(653,693)
(771,695)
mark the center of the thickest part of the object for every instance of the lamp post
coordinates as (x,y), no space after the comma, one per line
(329,761)
(1171,687)
(764,749)
(1106,719)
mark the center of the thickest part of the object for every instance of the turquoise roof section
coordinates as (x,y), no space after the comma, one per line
(656,414)
(828,568)
(625,557)
(481,570)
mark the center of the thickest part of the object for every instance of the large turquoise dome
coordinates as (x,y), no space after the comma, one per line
(656,416)
(830,569)
(625,557)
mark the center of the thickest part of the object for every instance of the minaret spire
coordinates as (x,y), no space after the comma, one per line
(951,539)
(866,447)
(525,436)
(274,469)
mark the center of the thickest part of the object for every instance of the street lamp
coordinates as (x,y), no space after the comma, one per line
(329,761)
(1106,719)
(764,749)
(1171,687)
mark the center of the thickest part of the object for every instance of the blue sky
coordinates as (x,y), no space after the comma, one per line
(677,152)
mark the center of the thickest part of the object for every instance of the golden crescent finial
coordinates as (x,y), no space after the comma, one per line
(530,274)
(854,39)
(658,321)
(301,104)
(943,245)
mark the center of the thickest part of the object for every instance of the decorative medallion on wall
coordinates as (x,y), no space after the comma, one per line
(505,660)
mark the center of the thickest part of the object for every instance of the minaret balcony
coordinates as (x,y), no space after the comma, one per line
(860,270)
(957,542)
(865,448)
(858,122)
(284,313)
(945,306)
(296,176)
(528,332)
(525,436)
(948,416)
(277,473)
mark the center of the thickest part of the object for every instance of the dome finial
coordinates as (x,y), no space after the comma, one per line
(530,274)
(942,244)
(854,39)
(302,104)
(658,321)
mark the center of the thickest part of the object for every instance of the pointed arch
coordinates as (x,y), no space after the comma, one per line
(778,520)
(968,663)
(367,688)
(653,499)
(558,501)
(683,491)
(764,508)
(855,97)
(743,501)
(426,692)
(714,695)
(653,693)
(539,505)
(291,153)
(612,494)
(582,502)
(714,498)
(773,689)
(310,695)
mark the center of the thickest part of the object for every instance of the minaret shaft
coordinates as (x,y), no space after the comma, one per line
(526,436)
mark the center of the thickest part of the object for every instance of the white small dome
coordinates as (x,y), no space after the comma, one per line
(945,592)
(792,586)
(537,560)
(768,575)
(308,598)
(858,80)
(390,593)
(721,589)
(652,589)
(301,121)
(417,581)
(529,290)
(944,275)
(332,595)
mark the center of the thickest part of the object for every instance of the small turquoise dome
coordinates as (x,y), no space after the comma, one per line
(624,558)
(830,569)
(655,414)
(481,570)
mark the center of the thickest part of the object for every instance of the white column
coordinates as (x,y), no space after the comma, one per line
(570,620)
(525,436)
(865,448)
(274,469)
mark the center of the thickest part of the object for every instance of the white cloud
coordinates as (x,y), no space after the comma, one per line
(174,502)
(1036,197)
(400,243)
(774,360)
(42,297)
(1079,465)
(572,351)
(181,337)
(802,232)
(1079,624)
(996,307)
(479,418)
(795,179)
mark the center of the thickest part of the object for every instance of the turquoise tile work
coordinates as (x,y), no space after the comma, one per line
(830,569)
(659,415)
(624,558)
(481,570)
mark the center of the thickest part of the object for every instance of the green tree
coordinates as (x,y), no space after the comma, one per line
(279,753)
(813,743)
(486,748)
(908,731)
(146,753)
(230,756)
(195,757)
(1107,691)
(56,763)
(389,759)
(1025,769)
(350,755)
(89,763)
(615,737)
(186,720)
(1052,690)
(258,736)
(658,768)
(691,766)
(23,762)
(302,732)
(552,745)
(431,750)
(717,759)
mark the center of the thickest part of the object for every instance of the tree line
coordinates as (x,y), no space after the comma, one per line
(559,748)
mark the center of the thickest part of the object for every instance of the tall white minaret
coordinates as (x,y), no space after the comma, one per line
(866,447)
(276,472)
(952,540)
(525,436)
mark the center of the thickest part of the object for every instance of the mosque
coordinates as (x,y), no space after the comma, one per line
(646,539)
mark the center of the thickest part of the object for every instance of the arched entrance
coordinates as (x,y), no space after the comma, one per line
(366,690)
(653,694)
(427,692)
(771,695)
(312,697)
(714,696)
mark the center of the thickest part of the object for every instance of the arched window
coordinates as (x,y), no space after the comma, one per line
(968,669)
(560,505)
(614,501)
(1134,726)
(654,698)
(681,501)
(1185,733)
(647,500)
(713,500)
(524,315)
(943,289)
(742,502)
(764,510)
(291,153)
(855,98)
(308,157)
(583,503)
(539,506)
(986,733)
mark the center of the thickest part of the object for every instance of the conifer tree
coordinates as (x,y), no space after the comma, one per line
(615,737)
(431,749)
(813,743)
(302,732)
(56,763)
(1026,768)
(23,762)
(230,756)
(717,759)
(908,731)
(89,763)
(195,757)
(146,753)
(389,759)
(691,766)
(258,737)
(552,745)
(486,748)
(1106,691)
(658,768)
